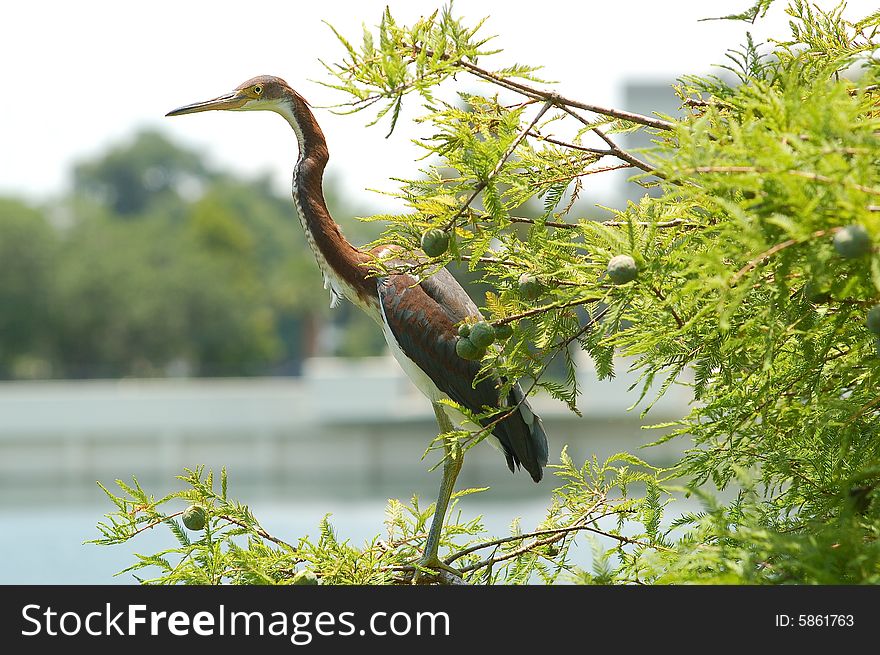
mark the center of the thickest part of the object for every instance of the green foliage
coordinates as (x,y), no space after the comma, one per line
(757,10)
(755,181)
(740,296)
(234,548)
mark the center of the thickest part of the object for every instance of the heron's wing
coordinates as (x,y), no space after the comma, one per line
(423,318)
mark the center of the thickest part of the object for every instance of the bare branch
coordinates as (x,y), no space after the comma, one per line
(589,171)
(613,148)
(153,524)
(625,156)
(582,520)
(553,536)
(664,224)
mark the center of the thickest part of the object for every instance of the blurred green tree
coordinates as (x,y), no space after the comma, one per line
(147,298)
(27,249)
(132,176)
(165,266)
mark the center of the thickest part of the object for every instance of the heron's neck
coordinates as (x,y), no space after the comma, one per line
(342,265)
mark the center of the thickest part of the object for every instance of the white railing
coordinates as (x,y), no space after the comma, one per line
(346,426)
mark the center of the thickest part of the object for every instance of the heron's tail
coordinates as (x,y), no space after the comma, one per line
(522,436)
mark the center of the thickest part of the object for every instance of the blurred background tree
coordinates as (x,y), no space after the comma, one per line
(28,245)
(156,265)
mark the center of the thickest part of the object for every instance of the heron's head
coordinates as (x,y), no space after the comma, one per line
(262,92)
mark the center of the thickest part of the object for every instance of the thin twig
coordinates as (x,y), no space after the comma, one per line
(482,260)
(662,298)
(614,149)
(515,553)
(507,153)
(543,309)
(767,254)
(589,171)
(582,520)
(695,102)
(761,258)
(556,537)
(257,529)
(663,224)
(155,523)
(519,137)
(574,146)
(532,221)
(559,100)
(625,156)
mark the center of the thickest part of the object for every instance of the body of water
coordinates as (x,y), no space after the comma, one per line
(340,440)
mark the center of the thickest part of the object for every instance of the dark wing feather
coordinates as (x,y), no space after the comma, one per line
(423,317)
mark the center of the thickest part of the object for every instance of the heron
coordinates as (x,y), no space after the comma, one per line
(418,316)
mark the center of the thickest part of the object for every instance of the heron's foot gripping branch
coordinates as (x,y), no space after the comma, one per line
(431,570)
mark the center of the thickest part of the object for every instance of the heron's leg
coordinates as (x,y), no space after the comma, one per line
(452,461)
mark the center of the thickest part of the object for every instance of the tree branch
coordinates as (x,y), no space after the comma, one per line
(614,149)
(562,101)
(256,529)
(767,254)
(589,171)
(153,524)
(553,536)
(625,156)
(532,221)
(582,520)
(663,224)
(671,309)
(507,153)
(574,146)
(543,309)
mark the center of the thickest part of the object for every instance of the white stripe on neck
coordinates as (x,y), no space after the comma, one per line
(331,280)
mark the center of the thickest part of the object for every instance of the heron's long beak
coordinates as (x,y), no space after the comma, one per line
(231,100)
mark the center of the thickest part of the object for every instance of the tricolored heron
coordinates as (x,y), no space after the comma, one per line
(419,317)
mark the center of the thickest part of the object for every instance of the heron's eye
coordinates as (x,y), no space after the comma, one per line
(258,89)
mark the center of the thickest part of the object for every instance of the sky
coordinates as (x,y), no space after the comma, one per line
(82,76)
